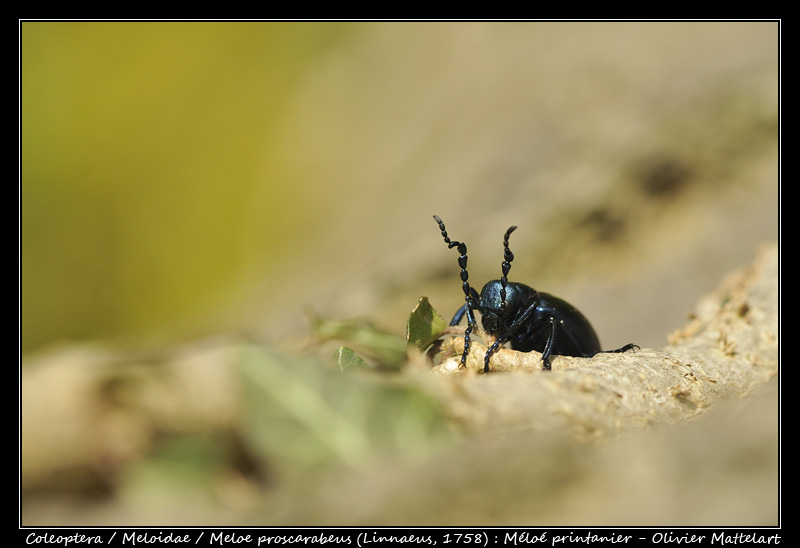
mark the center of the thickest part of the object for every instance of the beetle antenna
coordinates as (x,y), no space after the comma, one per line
(462,259)
(470,296)
(507,258)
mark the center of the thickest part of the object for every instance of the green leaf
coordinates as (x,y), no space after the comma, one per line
(346,358)
(387,348)
(299,412)
(425,325)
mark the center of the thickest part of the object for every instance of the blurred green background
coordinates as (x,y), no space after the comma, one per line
(154,171)
(185,178)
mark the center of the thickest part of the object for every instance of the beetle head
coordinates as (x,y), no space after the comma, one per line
(498,313)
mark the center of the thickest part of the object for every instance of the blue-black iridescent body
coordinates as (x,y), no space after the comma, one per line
(527,319)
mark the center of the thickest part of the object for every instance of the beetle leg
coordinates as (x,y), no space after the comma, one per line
(459,315)
(502,338)
(492,350)
(629,346)
(512,329)
(548,347)
(522,319)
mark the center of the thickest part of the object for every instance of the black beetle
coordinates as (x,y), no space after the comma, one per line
(516,313)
